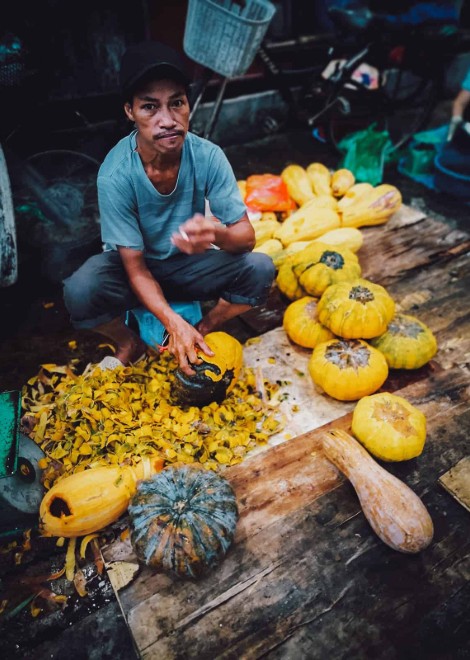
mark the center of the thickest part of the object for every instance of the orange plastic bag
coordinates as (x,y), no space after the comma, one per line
(267,192)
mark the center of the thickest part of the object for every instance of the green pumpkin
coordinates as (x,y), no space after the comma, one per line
(407,343)
(183,520)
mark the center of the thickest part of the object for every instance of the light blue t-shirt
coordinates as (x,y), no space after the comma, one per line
(134,214)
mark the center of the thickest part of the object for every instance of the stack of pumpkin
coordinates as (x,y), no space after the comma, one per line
(306,204)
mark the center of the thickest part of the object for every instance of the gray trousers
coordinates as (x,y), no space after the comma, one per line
(99,290)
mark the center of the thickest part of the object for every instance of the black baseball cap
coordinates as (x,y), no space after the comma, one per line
(151,57)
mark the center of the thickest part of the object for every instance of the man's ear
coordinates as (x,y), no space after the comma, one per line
(128,111)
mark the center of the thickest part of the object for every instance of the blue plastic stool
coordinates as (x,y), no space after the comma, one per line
(150,328)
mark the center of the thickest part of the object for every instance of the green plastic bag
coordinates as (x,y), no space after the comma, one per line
(366,153)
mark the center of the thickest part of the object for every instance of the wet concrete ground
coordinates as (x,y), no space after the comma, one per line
(35,329)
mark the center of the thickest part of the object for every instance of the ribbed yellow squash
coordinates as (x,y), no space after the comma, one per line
(347,369)
(318,266)
(307,223)
(88,501)
(265,229)
(357,309)
(373,208)
(341,181)
(354,194)
(301,323)
(389,427)
(270,247)
(320,178)
(343,237)
(407,343)
(298,184)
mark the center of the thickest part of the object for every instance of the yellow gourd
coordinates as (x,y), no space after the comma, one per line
(265,229)
(88,501)
(394,511)
(389,427)
(268,215)
(271,247)
(301,323)
(354,194)
(242,188)
(319,265)
(356,309)
(407,343)
(298,184)
(347,369)
(374,208)
(320,178)
(341,181)
(307,223)
(343,237)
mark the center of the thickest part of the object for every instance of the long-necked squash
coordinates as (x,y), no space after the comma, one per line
(320,178)
(396,514)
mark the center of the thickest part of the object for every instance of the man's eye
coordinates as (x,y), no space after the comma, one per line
(178,103)
(148,106)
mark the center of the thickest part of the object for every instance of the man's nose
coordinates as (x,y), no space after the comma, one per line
(165,117)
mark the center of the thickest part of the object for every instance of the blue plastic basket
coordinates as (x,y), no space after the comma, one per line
(223,35)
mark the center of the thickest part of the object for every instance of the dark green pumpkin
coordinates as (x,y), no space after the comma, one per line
(183,520)
(215,376)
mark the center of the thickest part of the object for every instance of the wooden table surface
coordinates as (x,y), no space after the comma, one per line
(306,576)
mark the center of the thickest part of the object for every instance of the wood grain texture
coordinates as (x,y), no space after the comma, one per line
(307,577)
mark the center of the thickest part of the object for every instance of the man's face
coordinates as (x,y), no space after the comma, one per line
(160,111)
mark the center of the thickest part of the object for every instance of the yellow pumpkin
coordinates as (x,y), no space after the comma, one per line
(318,266)
(287,282)
(301,323)
(270,247)
(389,427)
(320,178)
(356,309)
(347,369)
(407,343)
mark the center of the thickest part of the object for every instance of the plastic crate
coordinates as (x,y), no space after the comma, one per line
(223,35)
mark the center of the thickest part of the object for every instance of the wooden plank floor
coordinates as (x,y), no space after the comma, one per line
(306,576)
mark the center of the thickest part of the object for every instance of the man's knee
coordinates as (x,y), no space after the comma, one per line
(263,267)
(79,289)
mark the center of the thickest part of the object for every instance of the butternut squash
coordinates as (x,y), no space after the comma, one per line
(396,514)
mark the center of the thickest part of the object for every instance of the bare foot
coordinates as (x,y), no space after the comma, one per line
(131,352)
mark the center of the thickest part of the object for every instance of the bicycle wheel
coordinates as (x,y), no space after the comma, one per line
(401,106)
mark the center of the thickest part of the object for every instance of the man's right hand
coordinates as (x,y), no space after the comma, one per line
(183,343)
